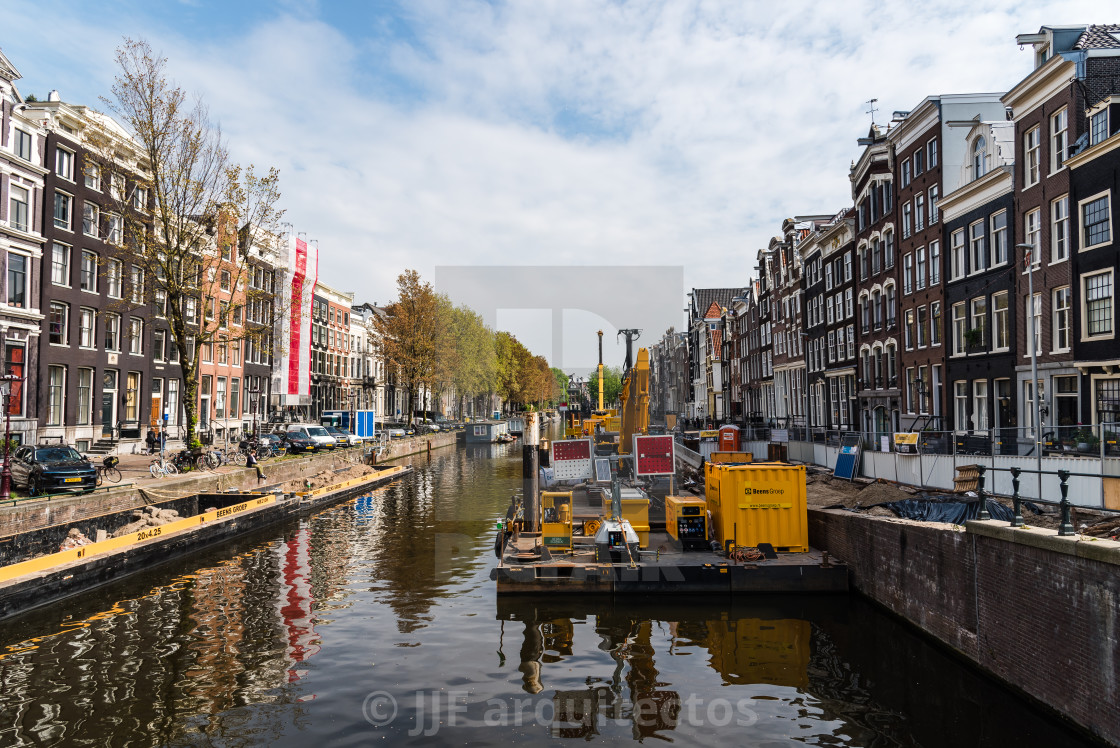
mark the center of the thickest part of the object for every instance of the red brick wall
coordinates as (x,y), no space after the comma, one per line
(1043,621)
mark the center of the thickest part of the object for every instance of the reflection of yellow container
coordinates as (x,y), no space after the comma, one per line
(752,650)
(758,503)
(731,457)
(636,511)
(686,521)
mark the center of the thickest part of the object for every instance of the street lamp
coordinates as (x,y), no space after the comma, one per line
(7,383)
(254,390)
(1029,250)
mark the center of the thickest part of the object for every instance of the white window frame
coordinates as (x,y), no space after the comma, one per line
(977,247)
(1059,311)
(1059,139)
(1085,278)
(998,238)
(1032,156)
(959,327)
(1001,321)
(1032,232)
(1059,229)
(1084,246)
(64,156)
(68,224)
(957,254)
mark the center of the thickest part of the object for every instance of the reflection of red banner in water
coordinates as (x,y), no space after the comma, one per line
(297,600)
(296,317)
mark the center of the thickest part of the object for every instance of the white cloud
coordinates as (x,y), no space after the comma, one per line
(584,131)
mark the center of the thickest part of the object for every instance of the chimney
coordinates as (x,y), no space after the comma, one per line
(53,95)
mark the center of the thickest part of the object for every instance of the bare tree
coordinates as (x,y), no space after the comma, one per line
(190,217)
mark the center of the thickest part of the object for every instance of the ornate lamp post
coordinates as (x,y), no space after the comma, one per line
(7,382)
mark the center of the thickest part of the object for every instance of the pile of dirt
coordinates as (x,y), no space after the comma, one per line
(823,489)
(327,478)
(149,516)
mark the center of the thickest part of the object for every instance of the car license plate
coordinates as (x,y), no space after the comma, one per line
(73,480)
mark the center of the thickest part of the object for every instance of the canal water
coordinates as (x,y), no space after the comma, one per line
(375,621)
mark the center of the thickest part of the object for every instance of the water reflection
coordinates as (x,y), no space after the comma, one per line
(280,639)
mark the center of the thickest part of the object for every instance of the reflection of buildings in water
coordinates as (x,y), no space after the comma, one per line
(296,601)
(217,611)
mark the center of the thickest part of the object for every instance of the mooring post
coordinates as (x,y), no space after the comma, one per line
(532,438)
(980,492)
(1066,526)
(1016,499)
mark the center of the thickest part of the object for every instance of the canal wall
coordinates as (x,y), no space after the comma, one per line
(1038,611)
(33,514)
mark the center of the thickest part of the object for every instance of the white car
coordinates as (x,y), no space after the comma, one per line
(317,434)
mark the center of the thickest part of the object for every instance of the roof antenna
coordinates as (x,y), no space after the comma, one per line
(872,110)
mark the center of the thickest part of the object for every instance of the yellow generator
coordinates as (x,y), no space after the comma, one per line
(556,519)
(758,503)
(635,509)
(686,521)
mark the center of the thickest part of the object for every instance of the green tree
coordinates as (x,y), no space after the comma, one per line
(414,335)
(612,387)
(473,363)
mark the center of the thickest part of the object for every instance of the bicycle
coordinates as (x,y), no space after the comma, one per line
(107,470)
(160,467)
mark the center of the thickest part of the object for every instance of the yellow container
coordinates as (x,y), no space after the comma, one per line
(731,457)
(686,521)
(558,532)
(636,511)
(758,503)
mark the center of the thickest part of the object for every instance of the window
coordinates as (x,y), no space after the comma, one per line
(931,152)
(89,219)
(93,176)
(86,318)
(890,302)
(225,279)
(999,238)
(135,336)
(920,268)
(1098,127)
(979,322)
(227,252)
(979,158)
(923,339)
(137,285)
(56,394)
(980,405)
(1059,138)
(63,204)
(15,357)
(1098,303)
(960,398)
(64,164)
(847,266)
(960,325)
(919,161)
(905,181)
(1062,303)
(1001,324)
(1096,224)
(116,186)
(919,212)
(848,306)
(1059,229)
(60,264)
(160,302)
(59,323)
(140,199)
(113,332)
(23,144)
(85,397)
(19,207)
(17,279)
(851,341)
(234,397)
(113,274)
(113,236)
(977,254)
(172,407)
(1032,151)
(89,271)
(1034,312)
(221,348)
(907,275)
(906,214)
(159,345)
(892,365)
(1028,401)
(934,196)
(956,254)
(908,330)
(1031,222)
(888,249)
(220,398)
(207,353)
(132,397)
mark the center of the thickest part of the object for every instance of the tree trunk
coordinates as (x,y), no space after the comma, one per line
(190,405)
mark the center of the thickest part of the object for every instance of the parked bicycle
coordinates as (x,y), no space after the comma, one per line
(186,460)
(160,467)
(107,470)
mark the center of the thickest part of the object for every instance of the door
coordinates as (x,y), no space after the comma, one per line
(109,402)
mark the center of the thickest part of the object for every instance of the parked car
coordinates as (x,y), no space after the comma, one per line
(316,433)
(395,433)
(352,440)
(52,468)
(340,439)
(297,442)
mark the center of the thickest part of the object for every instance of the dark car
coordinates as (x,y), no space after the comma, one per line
(297,441)
(52,468)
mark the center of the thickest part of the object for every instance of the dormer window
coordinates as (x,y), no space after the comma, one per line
(1098,126)
(979,158)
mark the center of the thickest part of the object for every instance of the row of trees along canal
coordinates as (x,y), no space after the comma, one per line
(190,219)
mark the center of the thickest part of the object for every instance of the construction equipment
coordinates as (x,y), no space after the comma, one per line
(635,402)
(758,503)
(686,521)
(556,525)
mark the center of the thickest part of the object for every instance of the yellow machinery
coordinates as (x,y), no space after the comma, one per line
(635,403)
(758,503)
(686,521)
(731,457)
(556,528)
(635,510)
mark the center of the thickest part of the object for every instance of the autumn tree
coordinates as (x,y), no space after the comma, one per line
(414,334)
(188,214)
(473,358)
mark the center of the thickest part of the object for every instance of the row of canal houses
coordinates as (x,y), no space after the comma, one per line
(89,341)
(908,309)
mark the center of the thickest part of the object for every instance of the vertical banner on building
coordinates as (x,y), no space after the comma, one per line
(295,367)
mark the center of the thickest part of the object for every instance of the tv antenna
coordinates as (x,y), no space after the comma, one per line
(872,110)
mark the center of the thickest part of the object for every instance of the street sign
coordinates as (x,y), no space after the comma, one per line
(571,459)
(653,455)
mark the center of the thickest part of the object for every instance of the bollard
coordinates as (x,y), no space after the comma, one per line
(980,492)
(1066,527)
(1016,500)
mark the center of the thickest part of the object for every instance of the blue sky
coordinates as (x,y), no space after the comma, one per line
(459,132)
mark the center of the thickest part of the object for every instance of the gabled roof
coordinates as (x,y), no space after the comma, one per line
(7,69)
(1105,36)
(714,311)
(703,298)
